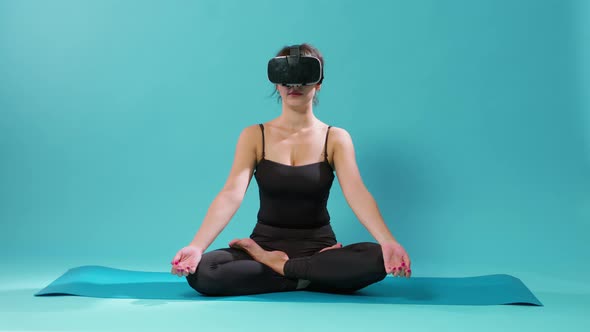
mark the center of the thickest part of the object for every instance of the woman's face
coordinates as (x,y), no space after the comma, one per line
(298,96)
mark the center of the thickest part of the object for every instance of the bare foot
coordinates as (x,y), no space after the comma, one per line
(274,259)
(336,246)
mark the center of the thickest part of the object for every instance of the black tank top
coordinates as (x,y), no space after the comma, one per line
(294,196)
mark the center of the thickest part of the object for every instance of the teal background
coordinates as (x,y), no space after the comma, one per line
(471,121)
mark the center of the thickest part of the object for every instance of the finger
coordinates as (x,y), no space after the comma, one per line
(176,258)
(402,272)
(175,271)
(394,267)
(408,261)
(406,264)
(389,261)
(408,273)
(232,242)
(388,268)
(391,265)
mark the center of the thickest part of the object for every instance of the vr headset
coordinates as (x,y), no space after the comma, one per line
(295,69)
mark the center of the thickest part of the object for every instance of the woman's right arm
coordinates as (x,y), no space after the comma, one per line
(229,199)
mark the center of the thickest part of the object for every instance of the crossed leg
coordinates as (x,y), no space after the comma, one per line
(274,259)
(246,268)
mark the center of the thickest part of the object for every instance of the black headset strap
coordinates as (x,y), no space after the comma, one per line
(294,51)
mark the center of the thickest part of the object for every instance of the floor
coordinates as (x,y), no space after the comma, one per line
(566,307)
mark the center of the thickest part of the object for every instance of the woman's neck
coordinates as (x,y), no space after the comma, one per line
(296,119)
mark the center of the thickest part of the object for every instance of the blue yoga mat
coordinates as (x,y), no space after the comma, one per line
(105,282)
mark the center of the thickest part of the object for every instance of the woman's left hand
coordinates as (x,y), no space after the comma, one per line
(396,259)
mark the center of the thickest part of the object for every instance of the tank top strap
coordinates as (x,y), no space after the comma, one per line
(262,129)
(326,144)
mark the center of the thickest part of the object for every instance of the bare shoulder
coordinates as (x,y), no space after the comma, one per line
(251,139)
(340,136)
(339,145)
(252,132)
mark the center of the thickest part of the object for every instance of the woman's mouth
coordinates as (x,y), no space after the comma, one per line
(294,93)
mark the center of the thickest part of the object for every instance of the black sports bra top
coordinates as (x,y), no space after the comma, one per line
(294,196)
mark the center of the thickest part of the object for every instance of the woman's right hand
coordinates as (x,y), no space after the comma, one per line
(186,261)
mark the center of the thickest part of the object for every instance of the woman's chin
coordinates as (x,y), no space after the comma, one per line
(298,103)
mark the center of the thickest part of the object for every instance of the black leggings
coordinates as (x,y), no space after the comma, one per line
(232,271)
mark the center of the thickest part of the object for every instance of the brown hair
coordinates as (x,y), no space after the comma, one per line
(305,49)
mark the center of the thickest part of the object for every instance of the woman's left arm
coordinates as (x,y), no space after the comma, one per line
(362,202)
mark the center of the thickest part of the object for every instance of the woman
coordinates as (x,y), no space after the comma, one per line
(293,158)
